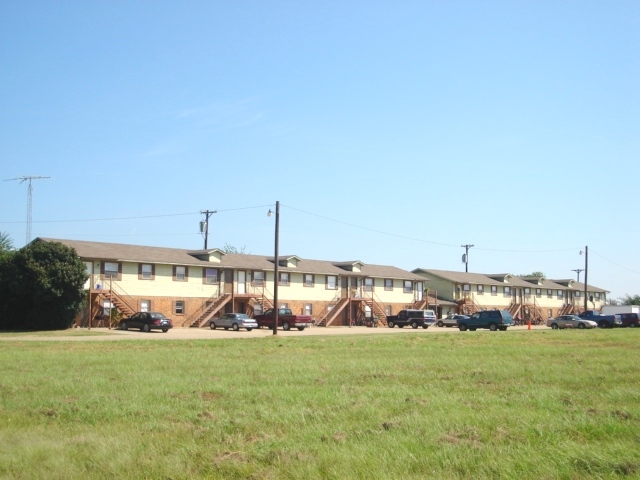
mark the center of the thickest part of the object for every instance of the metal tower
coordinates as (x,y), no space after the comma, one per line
(29,199)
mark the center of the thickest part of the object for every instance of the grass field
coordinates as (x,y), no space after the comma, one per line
(525,405)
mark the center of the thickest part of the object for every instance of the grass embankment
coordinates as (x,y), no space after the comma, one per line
(540,404)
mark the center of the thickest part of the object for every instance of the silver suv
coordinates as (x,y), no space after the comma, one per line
(235,321)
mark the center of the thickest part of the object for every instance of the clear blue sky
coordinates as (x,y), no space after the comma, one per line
(391,132)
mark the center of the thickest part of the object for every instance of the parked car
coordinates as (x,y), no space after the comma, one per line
(415,318)
(491,319)
(570,321)
(235,321)
(629,319)
(286,319)
(603,321)
(146,321)
(451,320)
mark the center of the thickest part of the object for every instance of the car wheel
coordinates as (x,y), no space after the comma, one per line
(249,329)
(425,326)
(581,326)
(554,326)
(286,326)
(226,328)
(301,328)
(603,324)
(145,328)
(493,327)
(235,327)
(124,326)
(472,329)
(440,324)
(164,330)
(462,327)
(400,326)
(390,324)
(212,325)
(414,325)
(632,325)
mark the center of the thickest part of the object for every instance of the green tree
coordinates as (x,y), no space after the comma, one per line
(41,287)
(534,274)
(629,300)
(231,249)
(6,244)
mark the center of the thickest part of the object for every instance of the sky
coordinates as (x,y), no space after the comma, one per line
(389,132)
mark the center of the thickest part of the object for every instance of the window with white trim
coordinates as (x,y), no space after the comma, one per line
(309,280)
(368,284)
(145,305)
(480,289)
(332,282)
(111,270)
(388,284)
(507,291)
(408,286)
(284,279)
(308,309)
(178,307)
(494,290)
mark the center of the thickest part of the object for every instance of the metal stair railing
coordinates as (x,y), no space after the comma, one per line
(203,306)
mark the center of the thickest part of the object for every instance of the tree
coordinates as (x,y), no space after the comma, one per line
(231,249)
(534,274)
(41,287)
(629,300)
(6,245)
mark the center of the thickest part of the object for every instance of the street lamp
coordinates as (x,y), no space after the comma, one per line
(275,270)
(586,272)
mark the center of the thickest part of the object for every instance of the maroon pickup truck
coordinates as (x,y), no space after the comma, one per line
(286,319)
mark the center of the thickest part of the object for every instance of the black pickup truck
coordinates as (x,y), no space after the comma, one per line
(415,318)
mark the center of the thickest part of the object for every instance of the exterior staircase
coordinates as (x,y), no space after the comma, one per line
(330,315)
(201,317)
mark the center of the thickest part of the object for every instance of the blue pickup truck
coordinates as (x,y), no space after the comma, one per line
(603,321)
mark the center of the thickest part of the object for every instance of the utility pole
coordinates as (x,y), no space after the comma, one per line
(578,270)
(204,225)
(29,199)
(465,257)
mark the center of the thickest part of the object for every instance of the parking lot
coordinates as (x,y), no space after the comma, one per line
(208,334)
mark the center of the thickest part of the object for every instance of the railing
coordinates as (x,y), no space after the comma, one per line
(203,307)
(107,286)
(332,303)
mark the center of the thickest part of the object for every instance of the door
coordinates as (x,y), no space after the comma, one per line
(419,291)
(242,282)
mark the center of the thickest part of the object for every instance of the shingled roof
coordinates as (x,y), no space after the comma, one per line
(118,252)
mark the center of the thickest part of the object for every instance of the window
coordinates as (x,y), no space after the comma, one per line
(106,308)
(407,286)
(210,275)
(332,282)
(577,294)
(480,289)
(527,292)
(145,305)
(387,310)
(146,271)
(549,293)
(388,284)
(257,309)
(560,294)
(549,313)
(308,280)
(368,284)
(111,269)
(180,274)
(284,279)
(178,307)
(308,309)
(257,278)
(466,287)
(597,295)
(494,290)
(538,292)
(507,291)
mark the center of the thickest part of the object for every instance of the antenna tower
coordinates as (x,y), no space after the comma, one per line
(29,199)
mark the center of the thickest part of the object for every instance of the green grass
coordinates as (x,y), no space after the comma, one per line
(529,404)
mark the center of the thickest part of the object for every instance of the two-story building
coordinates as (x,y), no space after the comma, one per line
(193,286)
(535,298)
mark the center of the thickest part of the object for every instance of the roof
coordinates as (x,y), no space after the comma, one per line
(509,280)
(118,252)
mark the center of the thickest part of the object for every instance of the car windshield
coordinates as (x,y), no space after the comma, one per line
(156,315)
